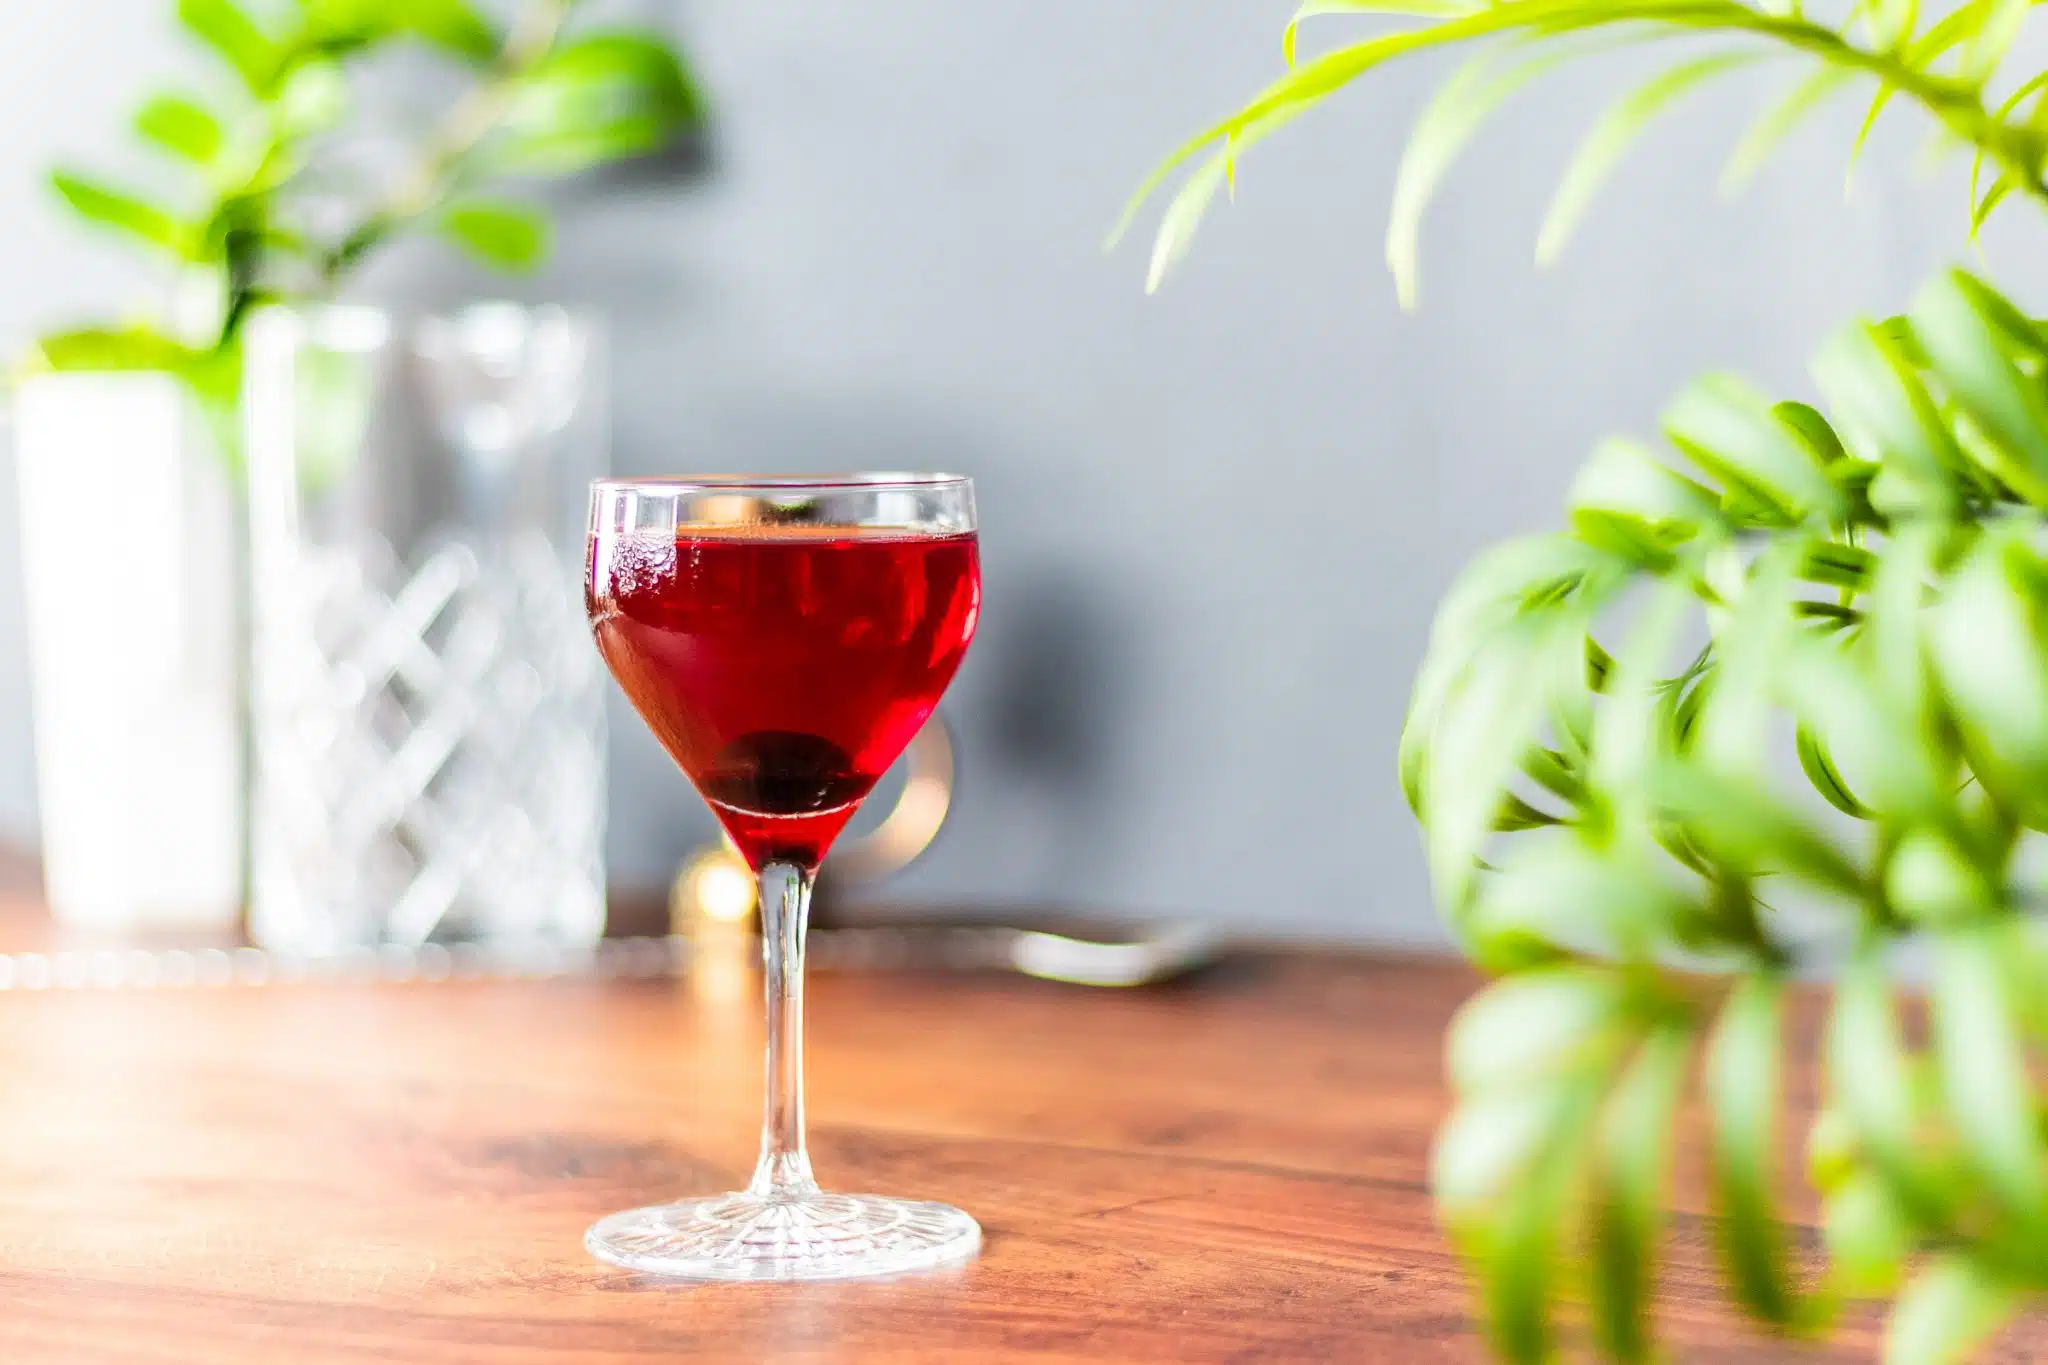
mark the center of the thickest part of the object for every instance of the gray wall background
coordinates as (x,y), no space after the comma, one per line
(1215,521)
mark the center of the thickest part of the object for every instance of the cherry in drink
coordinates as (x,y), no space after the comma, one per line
(784,666)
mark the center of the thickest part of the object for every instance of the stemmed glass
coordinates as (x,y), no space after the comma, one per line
(784,638)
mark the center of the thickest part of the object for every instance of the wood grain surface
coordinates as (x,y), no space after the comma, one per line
(1231,1169)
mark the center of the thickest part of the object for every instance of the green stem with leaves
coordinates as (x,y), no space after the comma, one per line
(473,119)
(543,101)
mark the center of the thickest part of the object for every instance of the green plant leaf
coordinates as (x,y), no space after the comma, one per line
(1821,772)
(1631,733)
(1525,1028)
(1887,23)
(2033,85)
(1728,429)
(1896,606)
(499,232)
(1965,337)
(180,126)
(1982,209)
(1920,55)
(1997,24)
(1625,478)
(1878,101)
(1943,36)
(1751,615)
(1183,216)
(111,348)
(1628,1193)
(312,99)
(1753,830)
(1453,115)
(1563,892)
(1487,1144)
(1837,564)
(598,98)
(1983,1069)
(1830,694)
(1868,1236)
(1981,206)
(341,27)
(1303,85)
(1484,725)
(1421,9)
(1932,880)
(1868,1080)
(1875,391)
(1555,773)
(2023,339)
(452,25)
(1805,421)
(99,203)
(1519,1261)
(1495,587)
(1630,538)
(1951,1307)
(1832,1159)
(236,38)
(1611,136)
(1777,123)
(1184,213)
(213,375)
(1517,814)
(1990,656)
(2027,961)
(1741,1086)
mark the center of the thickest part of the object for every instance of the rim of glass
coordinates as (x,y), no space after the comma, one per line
(691,483)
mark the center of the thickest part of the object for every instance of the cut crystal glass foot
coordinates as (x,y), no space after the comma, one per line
(808,1237)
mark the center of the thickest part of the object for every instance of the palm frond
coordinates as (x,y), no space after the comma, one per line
(1610,138)
(1946,70)
(1906,511)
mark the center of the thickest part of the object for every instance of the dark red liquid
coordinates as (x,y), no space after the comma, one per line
(784,667)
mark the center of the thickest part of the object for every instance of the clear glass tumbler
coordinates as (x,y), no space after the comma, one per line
(427,709)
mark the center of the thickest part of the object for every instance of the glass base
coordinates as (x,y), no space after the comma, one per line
(808,1237)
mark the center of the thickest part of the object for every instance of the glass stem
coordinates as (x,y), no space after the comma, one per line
(784,1171)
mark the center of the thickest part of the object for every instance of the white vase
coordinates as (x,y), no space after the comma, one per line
(128,550)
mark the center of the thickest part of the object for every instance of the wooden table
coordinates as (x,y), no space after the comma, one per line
(1230,1169)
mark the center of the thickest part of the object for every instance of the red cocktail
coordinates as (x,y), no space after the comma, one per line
(784,639)
(784,667)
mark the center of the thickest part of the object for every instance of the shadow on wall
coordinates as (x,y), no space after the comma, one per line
(1055,684)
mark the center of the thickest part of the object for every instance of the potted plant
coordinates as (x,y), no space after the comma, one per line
(127,436)
(1600,741)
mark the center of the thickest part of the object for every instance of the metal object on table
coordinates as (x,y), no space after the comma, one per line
(1159,952)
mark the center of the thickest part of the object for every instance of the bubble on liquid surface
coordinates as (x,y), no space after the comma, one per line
(636,564)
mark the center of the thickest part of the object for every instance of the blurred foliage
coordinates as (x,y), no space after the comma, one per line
(274,203)
(1613,829)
